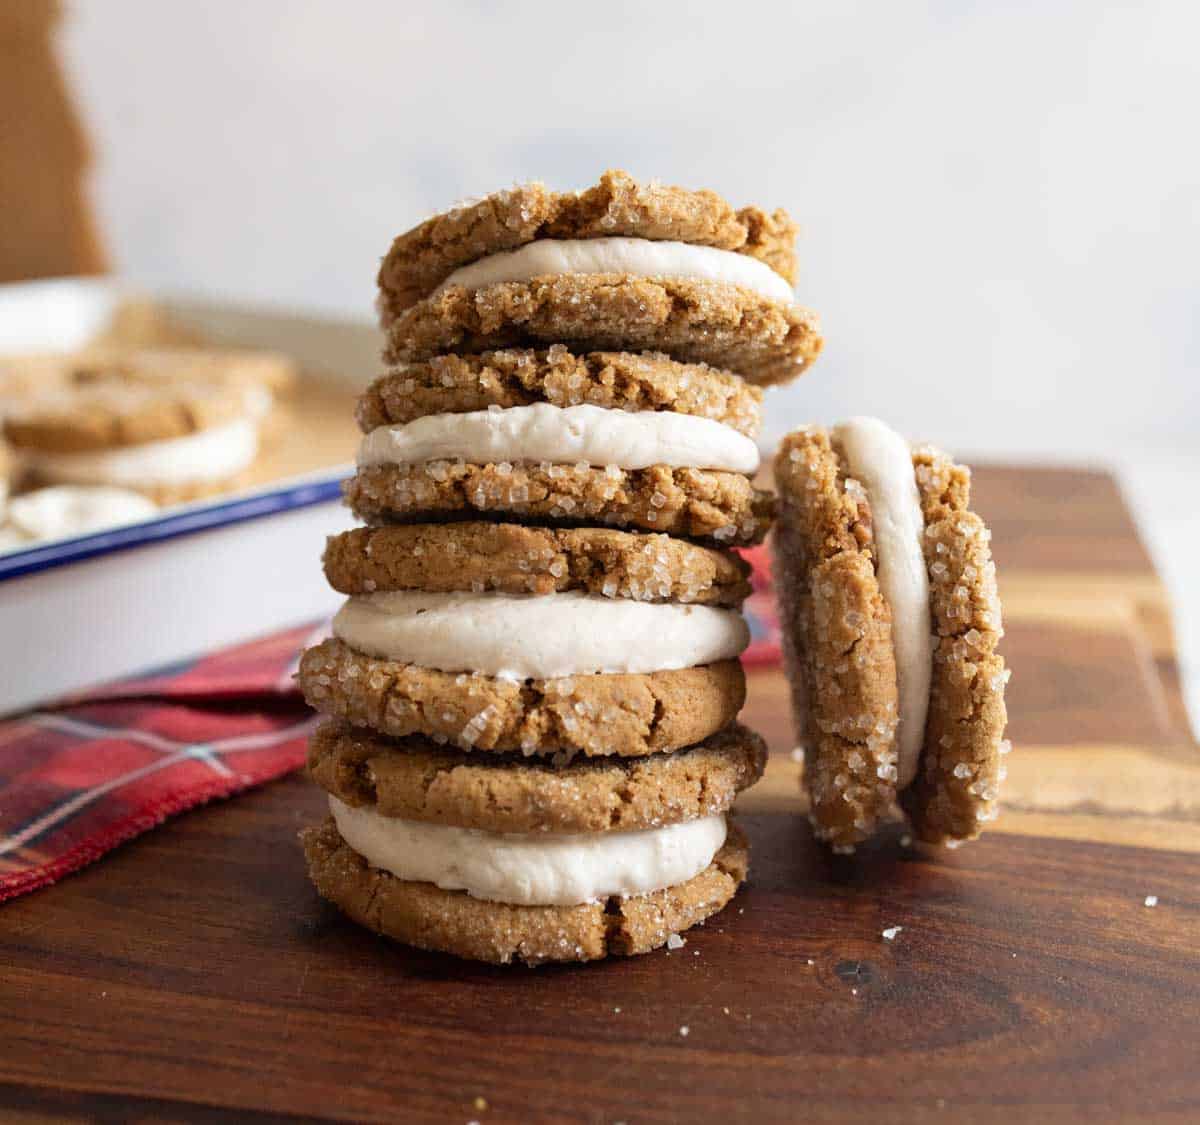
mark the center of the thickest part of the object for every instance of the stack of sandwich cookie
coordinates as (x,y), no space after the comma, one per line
(172,441)
(891,624)
(534,681)
(494,857)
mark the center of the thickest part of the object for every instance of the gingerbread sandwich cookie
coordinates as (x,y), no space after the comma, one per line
(639,442)
(172,442)
(499,637)
(501,859)
(622,266)
(424,257)
(891,625)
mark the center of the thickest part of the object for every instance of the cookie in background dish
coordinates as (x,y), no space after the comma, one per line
(172,441)
(265,378)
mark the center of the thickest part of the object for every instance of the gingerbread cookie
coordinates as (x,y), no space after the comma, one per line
(274,372)
(426,916)
(625,715)
(523,846)
(171,442)
(765,339)
(723,508)
(422,258)
(514,559)
(261,378)
(457,384)
(892,620)
(415,779)
(534,679)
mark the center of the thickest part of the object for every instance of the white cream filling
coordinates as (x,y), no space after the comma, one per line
(881,460)
(641,257)
(526,636)
(258,401)
(67,509)
(538,869)
(207,455)
(567,435)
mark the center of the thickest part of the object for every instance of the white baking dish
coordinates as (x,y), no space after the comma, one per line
(81,611)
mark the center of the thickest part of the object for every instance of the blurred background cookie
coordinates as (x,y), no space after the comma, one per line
(172,441)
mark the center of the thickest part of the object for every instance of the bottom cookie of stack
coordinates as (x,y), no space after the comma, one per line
(500,858)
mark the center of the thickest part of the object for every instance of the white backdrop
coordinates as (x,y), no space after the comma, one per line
(1000,202)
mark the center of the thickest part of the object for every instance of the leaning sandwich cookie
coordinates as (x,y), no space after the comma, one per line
(891,623)
(501,860)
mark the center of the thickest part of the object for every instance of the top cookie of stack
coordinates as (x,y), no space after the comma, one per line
(570,358)
(620,265)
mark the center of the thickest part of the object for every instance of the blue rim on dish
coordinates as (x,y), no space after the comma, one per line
(39,557)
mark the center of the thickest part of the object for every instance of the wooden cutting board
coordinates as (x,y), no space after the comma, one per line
(194,975)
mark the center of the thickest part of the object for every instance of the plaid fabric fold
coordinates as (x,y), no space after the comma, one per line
(83,776)
(761,611)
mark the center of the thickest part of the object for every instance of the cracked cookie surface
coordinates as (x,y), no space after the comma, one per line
(619,205)
(765,341)
(957,786)
(626,715)
(425,916)
(836,630)
(513,558)
(719,507)
(415,779)
(507,377)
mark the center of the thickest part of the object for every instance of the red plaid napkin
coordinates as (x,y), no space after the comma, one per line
(79,778)
(760,611)
(83,776)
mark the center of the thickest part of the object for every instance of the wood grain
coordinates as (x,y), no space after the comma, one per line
(194,975)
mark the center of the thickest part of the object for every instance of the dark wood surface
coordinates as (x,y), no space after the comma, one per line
(194,974)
